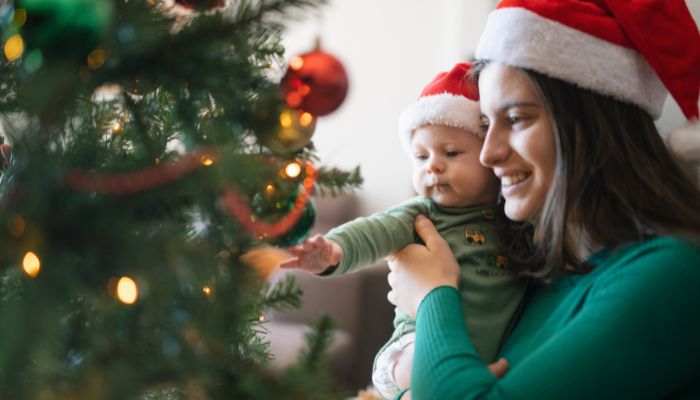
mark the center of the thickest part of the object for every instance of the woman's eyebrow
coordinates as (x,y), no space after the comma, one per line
(512,104)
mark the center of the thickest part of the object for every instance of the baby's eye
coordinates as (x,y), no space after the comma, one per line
(452,153)
(421,157)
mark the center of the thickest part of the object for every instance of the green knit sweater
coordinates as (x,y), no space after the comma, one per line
(630,329)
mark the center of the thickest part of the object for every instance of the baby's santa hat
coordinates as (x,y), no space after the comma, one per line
(633,51)
(450,99)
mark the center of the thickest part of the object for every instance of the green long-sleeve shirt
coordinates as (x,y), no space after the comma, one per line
(630,329)
(487,287)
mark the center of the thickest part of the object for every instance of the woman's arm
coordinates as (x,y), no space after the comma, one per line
(634,335)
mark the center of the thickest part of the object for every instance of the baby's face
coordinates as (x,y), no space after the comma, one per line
(446,167)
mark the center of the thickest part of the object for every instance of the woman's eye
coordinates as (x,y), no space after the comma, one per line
(515,119)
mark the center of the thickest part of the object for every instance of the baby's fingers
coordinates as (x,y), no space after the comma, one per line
(291,263)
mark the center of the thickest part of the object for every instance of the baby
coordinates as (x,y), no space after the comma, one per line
(441,132)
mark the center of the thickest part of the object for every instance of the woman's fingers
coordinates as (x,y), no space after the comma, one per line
(499,368)
(426,230)
(391,296)
(391,278)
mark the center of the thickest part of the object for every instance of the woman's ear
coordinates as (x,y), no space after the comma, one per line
(685,142)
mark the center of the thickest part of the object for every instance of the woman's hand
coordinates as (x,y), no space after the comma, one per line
(416,269)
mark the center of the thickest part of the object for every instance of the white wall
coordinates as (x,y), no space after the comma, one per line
(391,49)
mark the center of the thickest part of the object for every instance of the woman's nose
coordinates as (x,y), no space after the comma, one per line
(495,148)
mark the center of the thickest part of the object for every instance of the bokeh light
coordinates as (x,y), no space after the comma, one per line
(296,63)
(293,169)
(306,119)
(286,119)
(127,291)
(96,58)
(206,160)
(31,264)
(14,47)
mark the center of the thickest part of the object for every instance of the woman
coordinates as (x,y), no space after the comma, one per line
(617,221)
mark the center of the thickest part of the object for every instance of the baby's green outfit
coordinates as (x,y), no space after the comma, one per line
(491,294)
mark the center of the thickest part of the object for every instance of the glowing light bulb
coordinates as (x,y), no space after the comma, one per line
(296,63)
(16,226)
(286,119)
(117,128)
(269,189)
(14,47)
(207,290)
(96,58)
(293,169)
(261,318)
(206,160)
(127,291)
(306,119)
(31,264)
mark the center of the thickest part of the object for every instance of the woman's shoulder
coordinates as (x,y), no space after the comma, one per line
(664,247)
(663,261)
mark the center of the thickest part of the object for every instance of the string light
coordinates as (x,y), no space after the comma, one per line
(117,128)
(269,189)
(296,63)
(293,169)
(286,119)
(16,226)
(261,318)
(127,291)
(96,58)
(31,264)
(306,119)
(206,160)
(207,290)
(14,47)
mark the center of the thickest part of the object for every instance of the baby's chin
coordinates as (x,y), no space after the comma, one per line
(447,200)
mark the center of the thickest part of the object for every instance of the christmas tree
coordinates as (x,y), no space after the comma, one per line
(147,148)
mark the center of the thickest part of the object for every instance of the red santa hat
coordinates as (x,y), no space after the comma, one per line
(450,99)
(629,50)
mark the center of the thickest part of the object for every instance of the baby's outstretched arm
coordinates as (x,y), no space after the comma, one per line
(314,255)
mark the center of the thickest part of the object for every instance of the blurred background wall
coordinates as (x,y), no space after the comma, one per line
(391,49)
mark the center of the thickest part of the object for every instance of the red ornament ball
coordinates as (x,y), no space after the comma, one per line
(201,5)
(315,82)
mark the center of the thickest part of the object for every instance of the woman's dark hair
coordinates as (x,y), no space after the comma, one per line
(614,179)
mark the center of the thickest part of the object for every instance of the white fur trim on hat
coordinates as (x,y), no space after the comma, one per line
(442,109)
(522,38)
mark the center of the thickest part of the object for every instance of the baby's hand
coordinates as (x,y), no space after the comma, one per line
(314,255)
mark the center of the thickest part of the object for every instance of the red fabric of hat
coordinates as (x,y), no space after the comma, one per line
(629,50)
(450,99)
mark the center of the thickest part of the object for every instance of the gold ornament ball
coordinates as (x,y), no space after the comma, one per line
(294,131)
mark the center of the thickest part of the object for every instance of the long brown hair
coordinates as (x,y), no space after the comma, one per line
(614,179)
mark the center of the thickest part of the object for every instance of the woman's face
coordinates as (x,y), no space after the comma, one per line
(519,145)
